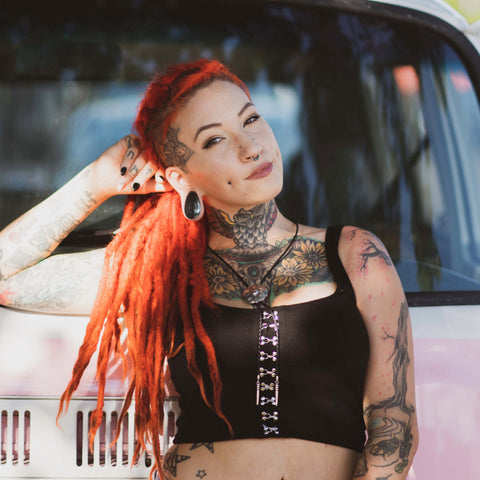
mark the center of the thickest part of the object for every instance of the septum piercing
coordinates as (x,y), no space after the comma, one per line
(255,158)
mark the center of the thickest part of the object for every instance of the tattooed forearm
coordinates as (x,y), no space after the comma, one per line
(400,364)
(31,248)
(176,153)
(48,236)
(87,203)
(388,448)
(57,285)
(34,238)
(389,444)
(21,258)
(389,421)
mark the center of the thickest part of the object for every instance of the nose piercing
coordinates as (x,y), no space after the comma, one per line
(255,158)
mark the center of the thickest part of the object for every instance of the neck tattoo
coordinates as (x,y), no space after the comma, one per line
(252,260)
(248,228)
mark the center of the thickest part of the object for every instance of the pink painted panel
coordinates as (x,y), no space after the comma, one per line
(448,404)
(37,354)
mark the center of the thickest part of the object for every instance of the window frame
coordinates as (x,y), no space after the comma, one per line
(470,57)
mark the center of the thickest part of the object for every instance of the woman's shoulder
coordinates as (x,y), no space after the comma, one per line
(360,246)
(366,261)
(359,249)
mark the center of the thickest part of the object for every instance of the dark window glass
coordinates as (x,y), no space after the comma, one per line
(377,120)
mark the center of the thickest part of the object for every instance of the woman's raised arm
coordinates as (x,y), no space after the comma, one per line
(67,283)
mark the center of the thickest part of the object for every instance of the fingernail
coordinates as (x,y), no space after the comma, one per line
(135,186)
(161,179)
(123,171)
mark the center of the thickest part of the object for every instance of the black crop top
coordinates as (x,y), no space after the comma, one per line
(322,358)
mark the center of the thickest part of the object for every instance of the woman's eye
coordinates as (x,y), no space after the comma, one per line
(211,141)
(252,119)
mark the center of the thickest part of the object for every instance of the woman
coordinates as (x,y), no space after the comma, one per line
(282,340)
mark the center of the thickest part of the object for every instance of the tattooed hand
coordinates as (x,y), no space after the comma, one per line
(123,169)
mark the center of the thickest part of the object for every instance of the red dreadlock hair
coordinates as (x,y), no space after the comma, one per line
(153,270)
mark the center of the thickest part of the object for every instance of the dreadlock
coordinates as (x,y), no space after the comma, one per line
(154,274)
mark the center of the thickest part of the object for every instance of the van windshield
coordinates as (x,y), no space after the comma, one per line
(377,120)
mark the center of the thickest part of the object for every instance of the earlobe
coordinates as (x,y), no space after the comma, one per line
(191,198)
(176,178)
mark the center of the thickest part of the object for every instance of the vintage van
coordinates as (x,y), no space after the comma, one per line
(376,109)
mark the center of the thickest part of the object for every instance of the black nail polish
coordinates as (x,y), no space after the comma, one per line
(135,186)
(123,171)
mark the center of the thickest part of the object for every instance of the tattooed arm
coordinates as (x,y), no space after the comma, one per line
(389,394)
(59,284)
(66,283)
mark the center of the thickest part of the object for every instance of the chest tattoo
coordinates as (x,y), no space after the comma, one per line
(305,264)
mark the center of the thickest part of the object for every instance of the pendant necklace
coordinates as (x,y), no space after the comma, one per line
(257,293)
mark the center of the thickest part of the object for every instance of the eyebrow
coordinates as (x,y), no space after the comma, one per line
(201,129)
(248,104)
(210,125)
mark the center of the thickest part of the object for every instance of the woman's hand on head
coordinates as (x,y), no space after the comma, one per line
(122,169)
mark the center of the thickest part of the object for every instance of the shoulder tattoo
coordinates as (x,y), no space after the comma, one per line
(371,249)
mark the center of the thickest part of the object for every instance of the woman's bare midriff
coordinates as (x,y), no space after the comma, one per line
(259,459)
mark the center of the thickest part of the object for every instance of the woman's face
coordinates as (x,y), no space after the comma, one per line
(225,149)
